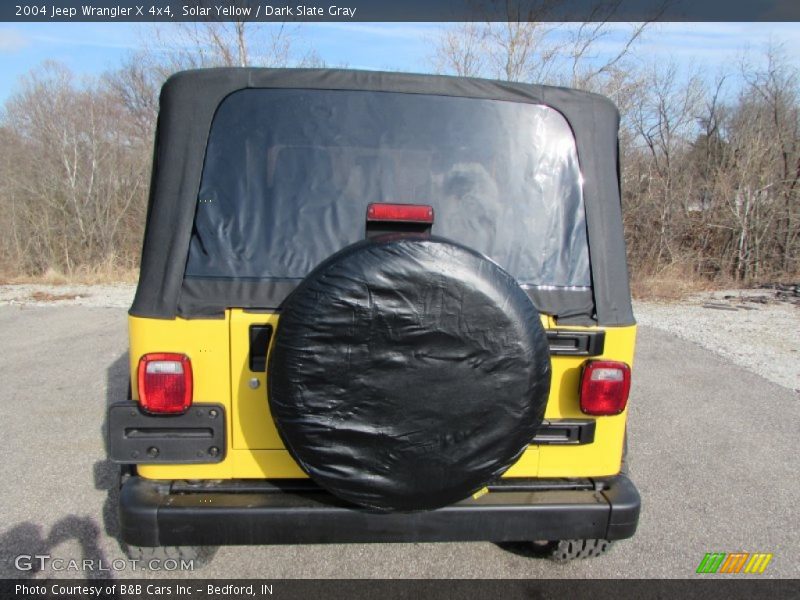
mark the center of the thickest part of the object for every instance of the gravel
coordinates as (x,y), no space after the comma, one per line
(746,327)
(119,295)
(737,325)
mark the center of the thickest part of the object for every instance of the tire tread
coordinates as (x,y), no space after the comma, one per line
(200,555)
(563,551)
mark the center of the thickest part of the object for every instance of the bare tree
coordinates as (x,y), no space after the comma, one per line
(461,50)
(712,182)
(777,89)
(528,47)
(521,51)
(228,44)
(79,171)
(75,197)
(171,48)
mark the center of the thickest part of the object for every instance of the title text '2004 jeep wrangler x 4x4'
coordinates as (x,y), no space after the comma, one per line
(378,307)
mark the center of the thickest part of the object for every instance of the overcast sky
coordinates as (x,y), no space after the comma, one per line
(91,48)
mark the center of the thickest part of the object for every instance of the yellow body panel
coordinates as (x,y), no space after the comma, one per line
(219,351)
(253,427)
(603,456)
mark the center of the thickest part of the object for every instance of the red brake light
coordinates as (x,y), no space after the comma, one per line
(165,383)
(403,213)
(604,387)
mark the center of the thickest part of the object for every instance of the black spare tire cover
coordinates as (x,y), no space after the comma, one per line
(406,373)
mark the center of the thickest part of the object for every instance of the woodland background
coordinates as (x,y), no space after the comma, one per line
(710,162)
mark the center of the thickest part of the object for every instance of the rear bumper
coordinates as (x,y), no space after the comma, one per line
(159,513)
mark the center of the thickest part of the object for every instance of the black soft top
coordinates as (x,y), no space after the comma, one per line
(190,99)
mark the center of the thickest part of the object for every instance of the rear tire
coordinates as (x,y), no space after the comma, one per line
(198,555)
(563,551)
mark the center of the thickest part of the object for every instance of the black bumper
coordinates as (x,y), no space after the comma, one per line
(154,513)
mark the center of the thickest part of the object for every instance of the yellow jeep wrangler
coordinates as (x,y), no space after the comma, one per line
(378,307)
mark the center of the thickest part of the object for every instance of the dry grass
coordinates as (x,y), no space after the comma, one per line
(47,297)
(97,275)
(670,284)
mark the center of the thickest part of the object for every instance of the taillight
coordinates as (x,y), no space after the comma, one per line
(604,387)
(165,383)
(400,213)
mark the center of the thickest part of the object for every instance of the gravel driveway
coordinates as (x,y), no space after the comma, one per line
(762,338)
(713,446)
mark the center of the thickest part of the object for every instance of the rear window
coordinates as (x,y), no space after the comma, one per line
(289,173)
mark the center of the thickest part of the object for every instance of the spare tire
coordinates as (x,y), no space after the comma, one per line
(407,373)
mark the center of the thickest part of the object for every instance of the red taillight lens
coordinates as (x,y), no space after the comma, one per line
(402,213)
(165,383)
(604,387)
